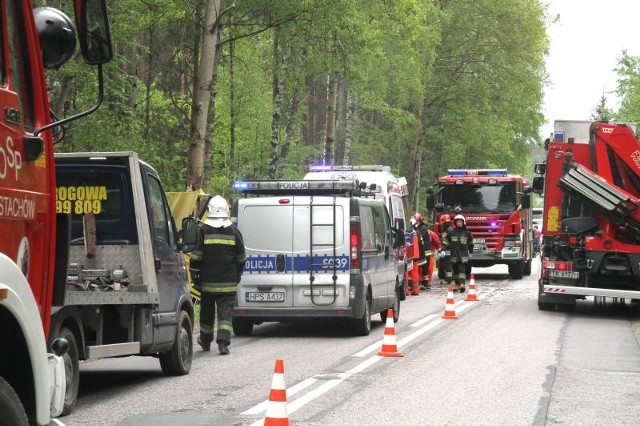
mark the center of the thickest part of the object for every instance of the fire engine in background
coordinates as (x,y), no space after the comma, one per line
(497,209)
(45,302)
(591,235)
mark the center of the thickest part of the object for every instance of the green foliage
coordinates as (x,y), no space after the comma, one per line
(464,77)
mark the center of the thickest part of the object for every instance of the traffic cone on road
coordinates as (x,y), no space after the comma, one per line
(471,295)
(389,346)
(276,414)
(449,310)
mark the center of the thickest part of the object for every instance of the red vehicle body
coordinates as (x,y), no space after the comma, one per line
(497,209)
(32,387)
(591,233)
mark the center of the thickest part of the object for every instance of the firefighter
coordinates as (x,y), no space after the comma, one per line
(445,254)
(460,244)
(424,243)
(216,266)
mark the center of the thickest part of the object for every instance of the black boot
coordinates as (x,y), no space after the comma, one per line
(206,347)
(223,348)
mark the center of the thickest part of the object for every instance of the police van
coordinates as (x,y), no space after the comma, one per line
(315,249)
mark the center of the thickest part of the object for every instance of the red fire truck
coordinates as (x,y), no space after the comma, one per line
(60,218)
(497,209)
(591,234)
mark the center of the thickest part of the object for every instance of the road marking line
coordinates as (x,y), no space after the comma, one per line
(327,386)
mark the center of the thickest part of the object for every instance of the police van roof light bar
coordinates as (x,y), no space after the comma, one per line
(296,187)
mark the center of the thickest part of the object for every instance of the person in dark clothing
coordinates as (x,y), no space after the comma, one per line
(460,244)
(216,266)
(445,255)
(424,241)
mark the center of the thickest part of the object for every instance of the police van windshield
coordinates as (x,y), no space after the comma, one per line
(480,198)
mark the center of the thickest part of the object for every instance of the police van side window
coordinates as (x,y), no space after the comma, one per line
(380,221)
(367,229)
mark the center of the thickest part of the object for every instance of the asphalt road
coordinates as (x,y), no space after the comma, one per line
(502,362)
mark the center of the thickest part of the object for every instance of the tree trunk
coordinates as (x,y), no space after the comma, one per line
(201,99)
(329,141)
(278,89)
(348,131)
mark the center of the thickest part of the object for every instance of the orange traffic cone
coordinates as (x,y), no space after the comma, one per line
(471,295)
(449,310)
(389,346)
(277,407)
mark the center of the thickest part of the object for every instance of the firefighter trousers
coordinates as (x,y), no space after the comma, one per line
(222,303)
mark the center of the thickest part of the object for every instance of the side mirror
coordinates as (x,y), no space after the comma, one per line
(189,234)
(93,31)
(439,208)
(540,168)
(538,185)
(526,201)
(430,201)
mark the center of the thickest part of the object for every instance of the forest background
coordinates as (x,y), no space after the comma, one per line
(212,91)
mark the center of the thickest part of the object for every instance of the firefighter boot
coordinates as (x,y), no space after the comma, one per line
(462,289)
(456,287)
(206,347)
(223,348)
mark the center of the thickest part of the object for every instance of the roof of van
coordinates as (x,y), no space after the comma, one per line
(380,175)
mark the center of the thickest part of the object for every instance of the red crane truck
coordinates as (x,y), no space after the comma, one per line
(497,209)
(591,218)
(58,219)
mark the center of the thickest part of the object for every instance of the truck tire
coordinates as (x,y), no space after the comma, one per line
(516,270)
(395,307)
(177,362)
(71,371)
(527,268)
(362,326)
(13,413)
(242,326)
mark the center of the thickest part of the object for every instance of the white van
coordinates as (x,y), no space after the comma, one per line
(321,249)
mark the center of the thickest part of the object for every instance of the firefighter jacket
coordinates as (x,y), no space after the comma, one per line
(424,242)
(460,243)
(434,243)
(217,263)
(445,241)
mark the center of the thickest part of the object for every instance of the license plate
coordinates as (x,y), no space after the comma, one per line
(253,296)
(574,275)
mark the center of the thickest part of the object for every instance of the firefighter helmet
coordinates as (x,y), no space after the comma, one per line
(218,212)
(460,217)
(416,218)
(445,218)
(57,36)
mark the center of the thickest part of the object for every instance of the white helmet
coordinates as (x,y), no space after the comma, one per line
(459,217)
(218,212)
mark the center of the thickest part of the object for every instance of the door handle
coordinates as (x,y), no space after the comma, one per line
(280,263)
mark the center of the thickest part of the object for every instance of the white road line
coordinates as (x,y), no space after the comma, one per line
(293,406)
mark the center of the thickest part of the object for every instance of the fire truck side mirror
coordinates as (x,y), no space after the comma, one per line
(538,185)
(525,201)
(540,168)
(429,201)
(189,234)
(93,31)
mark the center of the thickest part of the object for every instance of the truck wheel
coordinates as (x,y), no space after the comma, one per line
(71,371)
(362,326)
(242,326)
(10,406)
(543,306)
(395,307)
(527,268)
(177,362)
(516,270)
